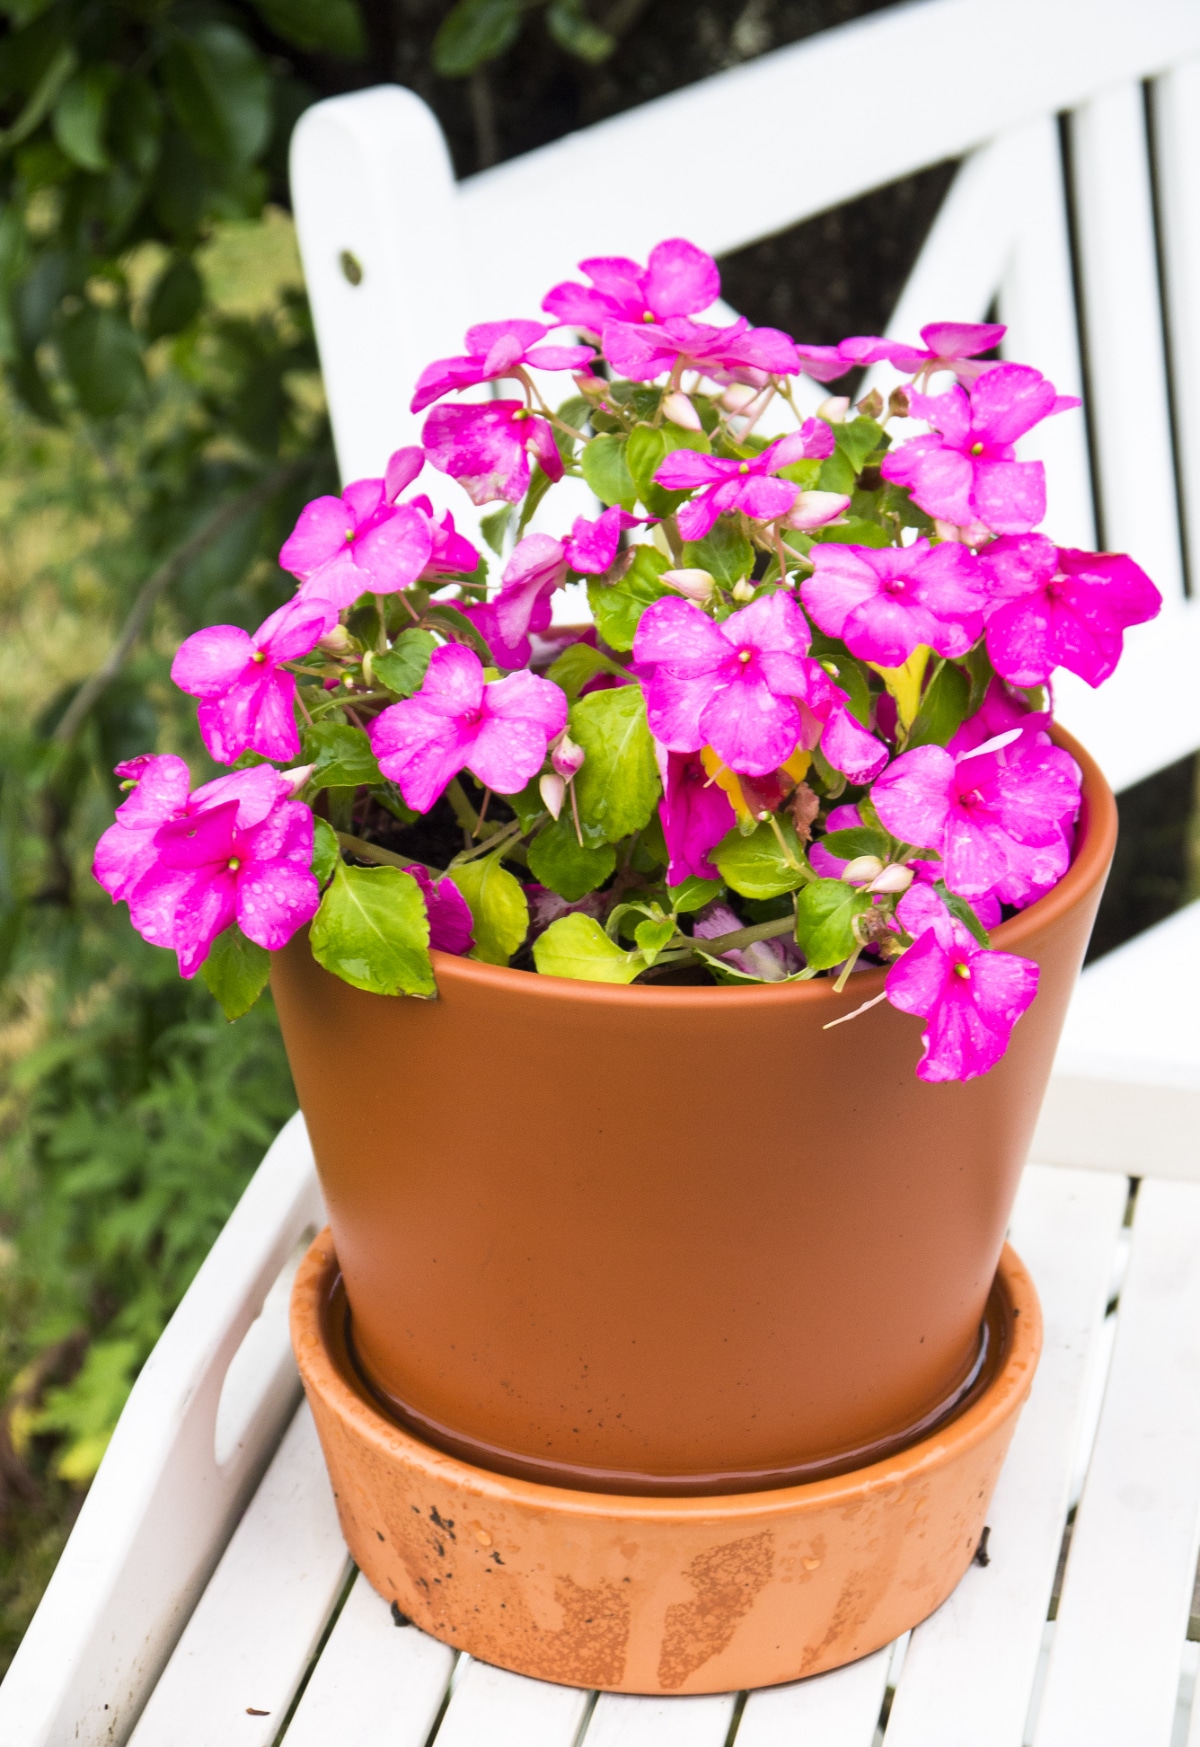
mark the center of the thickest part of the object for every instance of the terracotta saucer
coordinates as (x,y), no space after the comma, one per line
(660,1595)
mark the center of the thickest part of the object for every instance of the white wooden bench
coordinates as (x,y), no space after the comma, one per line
(205,1595)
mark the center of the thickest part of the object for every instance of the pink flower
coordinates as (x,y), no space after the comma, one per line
(738,353)
(971,996)
(966,472)
(949,345)
(499,732)
(241,851)
(246,696)
(451,554)
(741,485)
(1000,710)
(832,867)
(484,446)
(1056,607)
(539,564)
(999,816)
(355,544)
(494,349)
(745,687)
(450,919)
(159,785)
(679,279)
(883,602)
(695,815)
(823,363)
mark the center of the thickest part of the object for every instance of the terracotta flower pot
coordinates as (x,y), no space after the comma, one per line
(670,1240)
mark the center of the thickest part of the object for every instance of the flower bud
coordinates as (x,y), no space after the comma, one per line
(298,776)
(743,590)
(833,409)
(697,585)
(898,403)
(336,641)
(592,386)
(816,509)
(368,666)
(893,879)
(553,791)
(738,396)
(566,756)
(679,409)
(862,870)
(871,405)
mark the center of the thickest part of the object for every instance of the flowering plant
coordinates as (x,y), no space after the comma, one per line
(806,734)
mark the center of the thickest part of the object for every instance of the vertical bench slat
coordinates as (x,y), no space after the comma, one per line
(1123,330)
(619,1721)
(1115,1663)
(969,1669)
(840,1709)
(1176,114)
(492,1708)
(375,1682)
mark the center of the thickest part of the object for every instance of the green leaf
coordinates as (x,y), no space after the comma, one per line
(103,360)
(577,946)
(607,472)
(373,932)
(135,125)
(805,474)
(855,841)
(724,552)
(960,909)
(825,913)
(943,707)
(577,665)
(342,755)
(692,894)
(474,32)
(857,439)
(558,860)
(80,115)
(617,607)
(574,31)
(332,27)
(654,937)
(498,906)
(237,970)
(494,527)
(221,93)
(756,866)
(176,300)
(529,806)
(645,451)
(981,673)
(618,785)
(451,619)
(854,530)
(403,668)
(327,851)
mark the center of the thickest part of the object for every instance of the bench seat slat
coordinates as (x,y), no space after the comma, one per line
(247,1647)
(969,1669)
(839,1709)
(492,1708)
(1115,1662)
(620,1721)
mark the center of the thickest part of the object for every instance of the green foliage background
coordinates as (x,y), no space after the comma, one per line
(161,423)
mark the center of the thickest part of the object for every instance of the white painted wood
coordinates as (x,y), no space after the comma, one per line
(492,1708)
(1176,116)
(839,1709)
(1148,714)
(1127,375)
(622,1721)
(969,1669)
(247,1646)
(1125,1094)
(160,1510)
(1115,1663)
(375,1683)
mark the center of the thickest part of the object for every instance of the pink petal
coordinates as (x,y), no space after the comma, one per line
(294,630)
(750,728)
(680,279)
(677,632)
(914,794)
(162,789)
(321,531)
(393,553)
(560,357)
(209,662)
(1010,496)
(420,747)
(850,748)
(684,468)
(480,447)
(450,919)
(961,339)
(1008,401)
(402,468)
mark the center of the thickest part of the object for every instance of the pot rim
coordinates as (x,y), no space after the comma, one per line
(317,1279)
(1097,836)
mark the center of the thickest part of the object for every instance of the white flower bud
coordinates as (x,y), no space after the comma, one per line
(697,585)
(862,870)
(336,641)
(566,756)
(738,396)
(298,776)
(816,509)
(743,590)
(553,791)
(893,879)
(679,409)
(368,666)
(833,409)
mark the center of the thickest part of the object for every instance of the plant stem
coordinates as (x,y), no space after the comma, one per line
(381,857)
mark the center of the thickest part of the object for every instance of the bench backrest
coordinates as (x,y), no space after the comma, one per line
(399,257)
